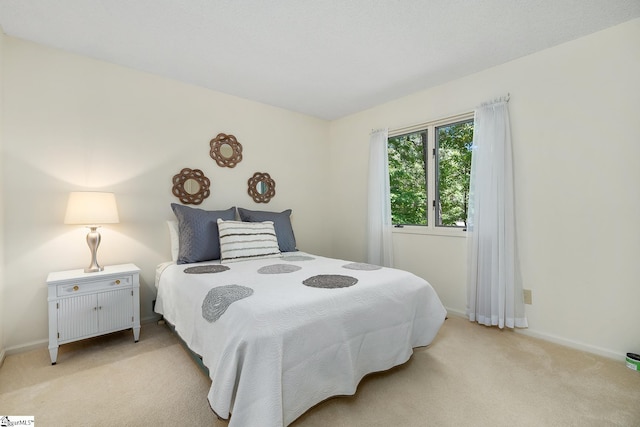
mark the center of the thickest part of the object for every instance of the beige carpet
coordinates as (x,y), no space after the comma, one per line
(471,375)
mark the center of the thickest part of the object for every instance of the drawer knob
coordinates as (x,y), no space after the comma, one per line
(117,281)
(76,287)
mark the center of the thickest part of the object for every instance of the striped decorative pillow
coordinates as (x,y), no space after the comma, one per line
(241,241)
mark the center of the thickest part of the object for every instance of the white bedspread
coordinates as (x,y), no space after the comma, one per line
(275,354)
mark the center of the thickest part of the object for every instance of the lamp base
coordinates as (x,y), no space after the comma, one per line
(93,240)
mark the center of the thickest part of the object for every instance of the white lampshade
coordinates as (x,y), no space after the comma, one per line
(91,208)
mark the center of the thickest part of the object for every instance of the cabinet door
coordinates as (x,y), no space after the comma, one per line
(77,317)
(115,310)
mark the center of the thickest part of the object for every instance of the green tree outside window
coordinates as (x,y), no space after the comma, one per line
(409,160)
(454,172)
(407,178)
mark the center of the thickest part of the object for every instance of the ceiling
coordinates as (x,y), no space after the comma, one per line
(324,58)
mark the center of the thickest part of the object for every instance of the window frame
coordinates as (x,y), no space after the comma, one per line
(431,170)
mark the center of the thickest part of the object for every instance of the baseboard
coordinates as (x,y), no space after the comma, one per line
(150,319)
(26,347)
(573,344)
(556,340)
(456,313)
(450,311)
(44,343)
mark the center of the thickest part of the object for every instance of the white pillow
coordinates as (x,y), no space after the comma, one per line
(175,239)
(240,241)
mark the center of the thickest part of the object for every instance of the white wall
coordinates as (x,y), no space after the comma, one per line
(73,123)
(70,123)
(574,113)
(2,298)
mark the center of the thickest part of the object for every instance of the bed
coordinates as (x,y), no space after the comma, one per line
(282,332)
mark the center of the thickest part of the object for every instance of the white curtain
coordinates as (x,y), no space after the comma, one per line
(494,290)
(379,235)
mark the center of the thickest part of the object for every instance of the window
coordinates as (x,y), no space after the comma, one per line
(429,171)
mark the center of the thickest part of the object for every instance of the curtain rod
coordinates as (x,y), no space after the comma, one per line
(461,116)
(422,125)
(497,100)
(378,130)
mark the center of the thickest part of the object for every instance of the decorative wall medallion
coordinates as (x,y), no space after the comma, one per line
(226,150)
(261,187)
(191,186)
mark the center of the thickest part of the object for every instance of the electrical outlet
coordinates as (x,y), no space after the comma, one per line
(527,296)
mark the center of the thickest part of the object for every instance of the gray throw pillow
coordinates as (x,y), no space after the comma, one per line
(198,229)
(281,223)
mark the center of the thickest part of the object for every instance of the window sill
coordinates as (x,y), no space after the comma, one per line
(430,231)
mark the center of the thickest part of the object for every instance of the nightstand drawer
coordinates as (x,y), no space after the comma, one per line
(83,287)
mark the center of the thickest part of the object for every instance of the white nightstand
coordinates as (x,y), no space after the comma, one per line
(84,305)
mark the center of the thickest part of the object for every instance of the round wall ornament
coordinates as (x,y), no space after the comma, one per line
(226,150)
(191,186)
(261,187)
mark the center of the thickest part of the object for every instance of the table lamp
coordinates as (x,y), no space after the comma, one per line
(92,208)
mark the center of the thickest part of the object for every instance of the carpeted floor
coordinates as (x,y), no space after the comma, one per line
(471,375)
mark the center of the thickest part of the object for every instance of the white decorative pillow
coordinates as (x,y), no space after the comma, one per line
(175,239)
(240,241)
